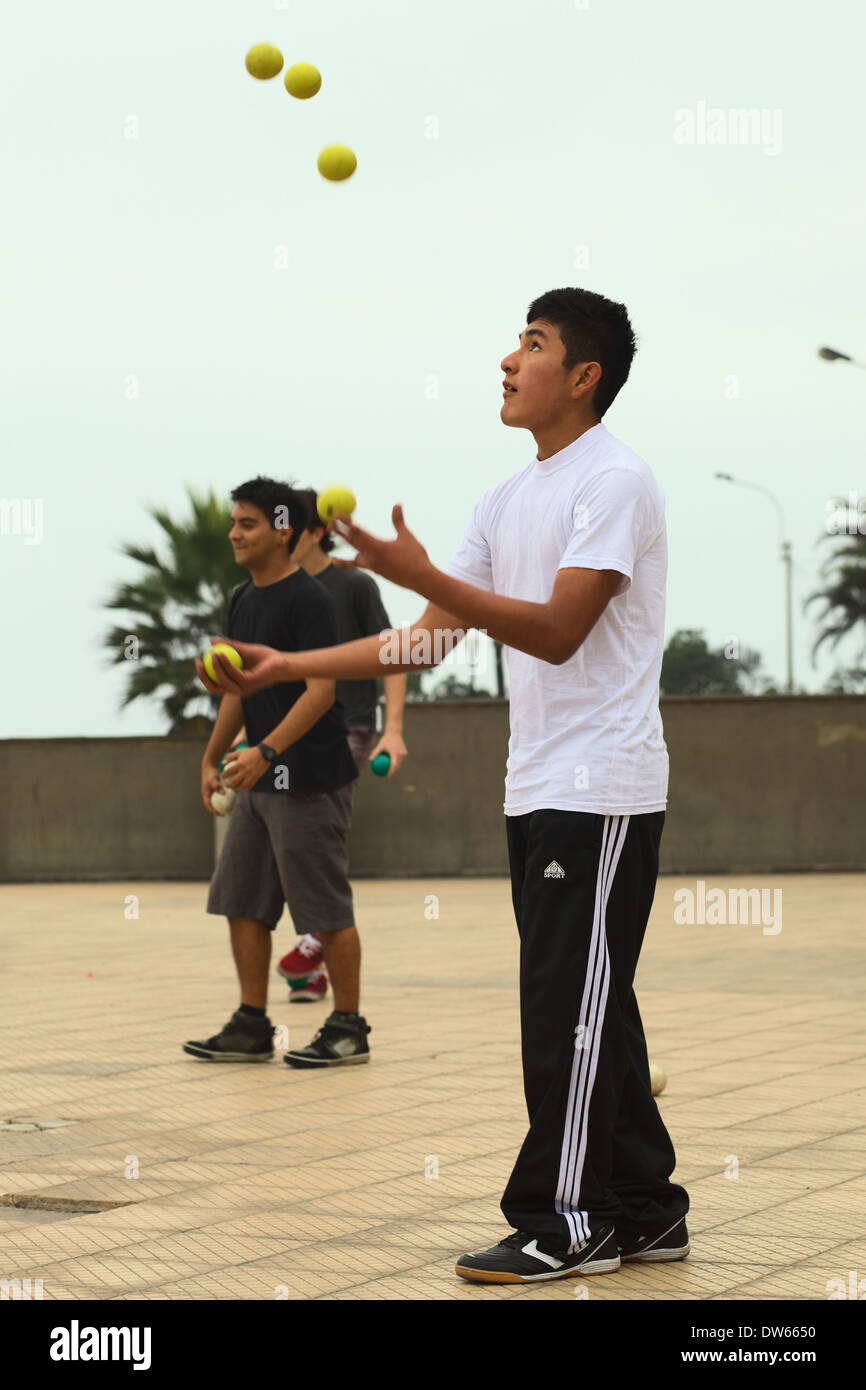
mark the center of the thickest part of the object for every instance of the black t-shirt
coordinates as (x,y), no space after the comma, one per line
(293,615)
(360,613)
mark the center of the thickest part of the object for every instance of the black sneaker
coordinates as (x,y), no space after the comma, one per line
(340,1042)
(670,1244)
(244,1039)
(518,1260)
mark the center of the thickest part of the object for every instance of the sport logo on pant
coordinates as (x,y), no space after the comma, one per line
(554,870)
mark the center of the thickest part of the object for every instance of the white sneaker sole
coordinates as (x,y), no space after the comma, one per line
(301,1062)
(229,1056)
(656,1256)
(485,1276)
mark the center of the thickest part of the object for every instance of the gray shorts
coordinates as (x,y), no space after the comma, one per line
(292,850)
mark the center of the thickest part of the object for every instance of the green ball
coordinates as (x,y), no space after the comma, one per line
(379,766)
(236,748)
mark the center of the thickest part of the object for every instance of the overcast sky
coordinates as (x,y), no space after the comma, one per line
(187,302)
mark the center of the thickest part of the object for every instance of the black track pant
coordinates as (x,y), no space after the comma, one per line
(597,1150)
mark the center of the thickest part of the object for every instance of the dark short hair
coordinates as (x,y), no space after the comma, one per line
(593,329)
(267,494)
(326,541)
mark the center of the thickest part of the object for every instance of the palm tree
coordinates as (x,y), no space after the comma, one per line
(176,605)
(844,591)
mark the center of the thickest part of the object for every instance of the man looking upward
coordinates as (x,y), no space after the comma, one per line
(565,563)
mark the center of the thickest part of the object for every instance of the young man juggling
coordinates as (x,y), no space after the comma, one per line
(565,563)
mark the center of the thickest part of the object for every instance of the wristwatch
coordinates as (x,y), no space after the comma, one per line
(268,753)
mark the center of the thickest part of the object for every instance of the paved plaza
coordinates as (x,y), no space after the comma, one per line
(262,1182)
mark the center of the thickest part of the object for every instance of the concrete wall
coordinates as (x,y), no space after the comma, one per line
(756,785)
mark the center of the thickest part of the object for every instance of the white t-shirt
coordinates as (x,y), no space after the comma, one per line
(586,735)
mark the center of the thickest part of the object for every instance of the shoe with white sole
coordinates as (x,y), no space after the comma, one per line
(340,1042)
(518,1260)
(243,1039)
(669,1244)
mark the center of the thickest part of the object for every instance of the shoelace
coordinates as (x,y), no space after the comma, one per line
(309,945)
(517,1238)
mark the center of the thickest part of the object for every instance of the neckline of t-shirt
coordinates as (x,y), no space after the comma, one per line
(294,574)
(572,451)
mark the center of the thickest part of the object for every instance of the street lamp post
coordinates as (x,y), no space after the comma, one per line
(787,561)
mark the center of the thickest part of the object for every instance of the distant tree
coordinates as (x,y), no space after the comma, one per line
(850,681)
(690,667)
(843,594)
(179,601)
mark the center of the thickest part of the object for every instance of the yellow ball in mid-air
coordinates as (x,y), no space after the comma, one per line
(302,80)
(264,61)
(337,162)
(224,650)
(334,499)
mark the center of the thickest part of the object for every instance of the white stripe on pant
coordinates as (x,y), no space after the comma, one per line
(588,1039)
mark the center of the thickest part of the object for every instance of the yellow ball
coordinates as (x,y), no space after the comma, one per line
(225,650)
(264,61)
(337,162)
(335,498)
(302,80)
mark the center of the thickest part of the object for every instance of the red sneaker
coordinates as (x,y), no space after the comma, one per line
(303,960)
(313,989)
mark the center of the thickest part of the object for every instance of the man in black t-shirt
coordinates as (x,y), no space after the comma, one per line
(286,841)
(359,612)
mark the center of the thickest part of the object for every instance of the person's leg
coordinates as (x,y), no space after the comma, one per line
(564,978)
(246,889)
(342,949)
(251,948)
(329,895)
(343,958)
(310,838)
(643,1157)
(308,954)
(588,889)
(516,831)
(561,862)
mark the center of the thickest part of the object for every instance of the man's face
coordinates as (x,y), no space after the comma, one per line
(253,538)
(538,387)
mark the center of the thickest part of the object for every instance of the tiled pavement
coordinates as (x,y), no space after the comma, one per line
(259,1182)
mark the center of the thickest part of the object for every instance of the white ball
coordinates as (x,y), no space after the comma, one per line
(223,801)
(658,1079)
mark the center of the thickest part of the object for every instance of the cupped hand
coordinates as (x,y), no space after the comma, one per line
(393,745)
(404,560)
(243,769)
(263,666)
